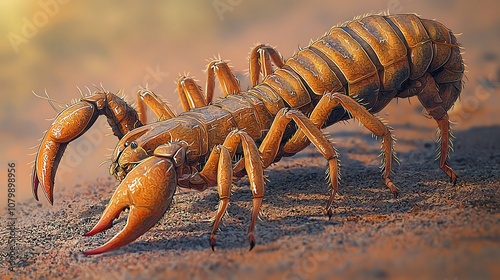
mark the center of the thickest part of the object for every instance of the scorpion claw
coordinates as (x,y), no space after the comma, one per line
(147,190)
(135,227)
(67,126)
(35,184)
(45,168)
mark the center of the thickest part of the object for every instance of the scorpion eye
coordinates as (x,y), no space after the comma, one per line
(133,145)
(126,144)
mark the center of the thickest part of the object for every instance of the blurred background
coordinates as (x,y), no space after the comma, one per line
(57,45)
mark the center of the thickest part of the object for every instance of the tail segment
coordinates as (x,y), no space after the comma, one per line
(447,66)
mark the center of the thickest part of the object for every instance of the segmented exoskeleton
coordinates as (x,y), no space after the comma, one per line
(354,70)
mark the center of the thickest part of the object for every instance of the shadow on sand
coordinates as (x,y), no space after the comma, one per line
(476,160)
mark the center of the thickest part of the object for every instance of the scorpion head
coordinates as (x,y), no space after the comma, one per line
(128,152)
(141,143)
(150,171)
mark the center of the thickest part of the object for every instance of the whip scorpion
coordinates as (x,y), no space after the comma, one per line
(353,71)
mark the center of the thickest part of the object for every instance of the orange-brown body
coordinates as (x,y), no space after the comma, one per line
(354,70)
(373,59)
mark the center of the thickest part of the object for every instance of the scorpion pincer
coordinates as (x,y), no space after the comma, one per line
(353,71)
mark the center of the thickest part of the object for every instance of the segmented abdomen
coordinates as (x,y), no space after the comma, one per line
(372,59)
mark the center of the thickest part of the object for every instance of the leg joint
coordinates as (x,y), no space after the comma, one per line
(437,112)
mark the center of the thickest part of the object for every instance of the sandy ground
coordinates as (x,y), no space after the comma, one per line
(432,231)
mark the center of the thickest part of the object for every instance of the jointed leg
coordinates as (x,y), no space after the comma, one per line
(318,116)
(327,103)
(224,184)
(260,62)
(271,143)
(428,94)
(148,98)
(190,92)
(261,58)
(228,82)
(221,158)
(444,135)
